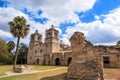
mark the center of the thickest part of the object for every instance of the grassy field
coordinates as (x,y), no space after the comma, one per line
(6,68)
(37,67)
(59,74)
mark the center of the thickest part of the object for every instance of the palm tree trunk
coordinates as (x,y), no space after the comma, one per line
(16,53)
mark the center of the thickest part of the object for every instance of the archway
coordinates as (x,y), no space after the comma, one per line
(57,61)
(37,61)
(69,61)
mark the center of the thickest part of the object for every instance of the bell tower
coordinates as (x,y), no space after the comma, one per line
(34,51)
(36,38)
(52,40)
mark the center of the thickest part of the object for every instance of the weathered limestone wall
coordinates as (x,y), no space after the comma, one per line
(112,52)
(84,65)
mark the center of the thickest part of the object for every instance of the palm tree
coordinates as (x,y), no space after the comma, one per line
(19,29)
(11,46)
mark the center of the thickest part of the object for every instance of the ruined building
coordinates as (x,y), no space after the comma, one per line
(86,64)
(53,52)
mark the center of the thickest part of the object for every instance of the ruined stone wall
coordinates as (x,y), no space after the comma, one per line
(110,52)
(84,65)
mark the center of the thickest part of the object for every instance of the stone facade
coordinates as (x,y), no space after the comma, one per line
(51,52)
(54,52)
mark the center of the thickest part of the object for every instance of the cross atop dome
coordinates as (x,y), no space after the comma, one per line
(36,31)
(52,26)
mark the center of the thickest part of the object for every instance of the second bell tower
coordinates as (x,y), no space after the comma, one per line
(52,40)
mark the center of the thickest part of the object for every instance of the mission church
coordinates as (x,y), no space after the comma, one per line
(51,52)
(54,52)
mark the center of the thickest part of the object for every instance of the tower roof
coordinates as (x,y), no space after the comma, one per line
(52,28)
(36,31)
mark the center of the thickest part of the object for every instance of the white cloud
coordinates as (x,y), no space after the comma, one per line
(56,11)
(7,14)
(4,34)
(108,43)
(104,32)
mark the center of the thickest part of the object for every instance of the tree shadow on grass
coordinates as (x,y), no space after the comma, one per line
(56,77)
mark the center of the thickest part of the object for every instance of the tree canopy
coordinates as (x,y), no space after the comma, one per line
(118,43)
(5,56)
(22,54)
(11,46)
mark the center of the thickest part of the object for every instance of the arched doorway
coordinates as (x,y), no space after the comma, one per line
(69,61)
(57,61)
(37,61)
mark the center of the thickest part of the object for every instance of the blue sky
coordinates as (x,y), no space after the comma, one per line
(100,7)
(99,20)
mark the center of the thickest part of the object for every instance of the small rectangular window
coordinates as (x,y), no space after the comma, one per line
(106,62)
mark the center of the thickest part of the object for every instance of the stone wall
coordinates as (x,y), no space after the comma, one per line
(84,65)
(62,57)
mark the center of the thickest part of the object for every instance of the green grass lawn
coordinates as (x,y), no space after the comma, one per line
(6,68)
(37,67)
(59,74)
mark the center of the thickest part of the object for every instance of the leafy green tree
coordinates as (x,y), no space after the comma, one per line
(19,29)
(118,43)
(11,46)
(22,55)
(5,56)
